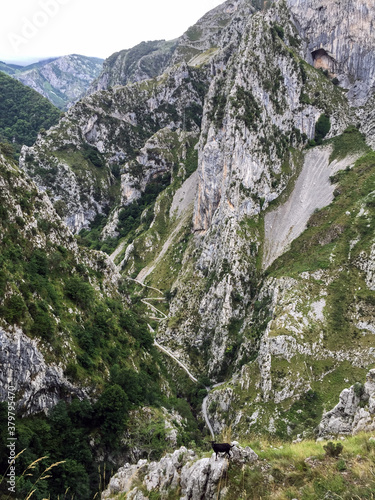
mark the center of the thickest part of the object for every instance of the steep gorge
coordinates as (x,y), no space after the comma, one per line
(204,161)
(252,103)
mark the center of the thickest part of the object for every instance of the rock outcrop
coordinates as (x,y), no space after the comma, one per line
(354,413)
(39,386)
(181,473)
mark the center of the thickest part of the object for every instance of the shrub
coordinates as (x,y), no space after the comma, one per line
(359,389)
(71,371)
(92,154)
(332,449)
(322,127)
(43,325)
(341,465)
(79,291)
(111,410)
(14,309)
(278,30)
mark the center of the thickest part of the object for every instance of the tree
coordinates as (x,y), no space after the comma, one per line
(112,411)
(322,127)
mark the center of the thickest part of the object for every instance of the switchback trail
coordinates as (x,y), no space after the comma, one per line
(172,356)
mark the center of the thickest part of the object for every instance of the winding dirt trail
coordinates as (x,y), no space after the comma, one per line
(171,355)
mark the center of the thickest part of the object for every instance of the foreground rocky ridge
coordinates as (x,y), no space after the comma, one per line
(181,473)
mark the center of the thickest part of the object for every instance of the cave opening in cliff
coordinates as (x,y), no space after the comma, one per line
(322,60)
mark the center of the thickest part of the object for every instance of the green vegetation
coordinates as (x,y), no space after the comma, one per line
(305,471)
(94,329)
(91,237)
(23,113)
(218,103)
(245,102)
(277,30)
(350,142)
(130,215)
(322,127)
(194,33)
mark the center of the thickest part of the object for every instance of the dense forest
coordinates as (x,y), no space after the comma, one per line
(23,113)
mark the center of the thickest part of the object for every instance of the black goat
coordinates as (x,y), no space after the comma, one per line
(221,448)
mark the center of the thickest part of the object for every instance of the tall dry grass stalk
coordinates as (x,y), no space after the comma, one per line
(11,463)
(227,434)
(28,468)
(43,476)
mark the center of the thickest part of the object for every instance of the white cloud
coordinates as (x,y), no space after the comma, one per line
(45,28)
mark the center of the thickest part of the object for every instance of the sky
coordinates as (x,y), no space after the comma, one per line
(31,30)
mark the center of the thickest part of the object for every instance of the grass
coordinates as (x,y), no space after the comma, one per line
(304,471)
(350,142)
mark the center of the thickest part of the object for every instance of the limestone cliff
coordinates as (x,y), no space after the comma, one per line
(340,38)
(282,315)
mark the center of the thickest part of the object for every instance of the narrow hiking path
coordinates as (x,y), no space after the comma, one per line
(189,374)
(146,301)
(169,353)
(148,269)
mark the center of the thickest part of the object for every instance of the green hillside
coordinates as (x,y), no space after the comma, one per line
(23,112)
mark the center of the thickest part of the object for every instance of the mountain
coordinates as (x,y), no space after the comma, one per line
(145,60)
(10,69)
(151,59)
(62,80)
(230,176)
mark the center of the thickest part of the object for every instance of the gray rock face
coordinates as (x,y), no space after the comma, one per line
(340,37)
(126,126)
(145,60)
(354,413)
(241,170)
(232,159)
(38,385)
(196,478)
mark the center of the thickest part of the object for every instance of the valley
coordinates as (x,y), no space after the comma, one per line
(188,255)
